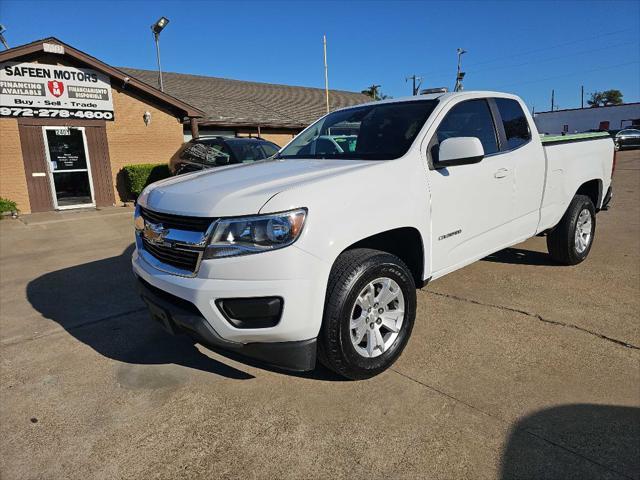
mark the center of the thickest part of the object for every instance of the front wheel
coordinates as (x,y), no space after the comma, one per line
(570,241)
(369,313)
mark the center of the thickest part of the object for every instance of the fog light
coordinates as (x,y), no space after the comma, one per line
(256,312)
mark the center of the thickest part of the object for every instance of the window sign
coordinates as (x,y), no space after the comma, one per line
(66,149)
(52,91)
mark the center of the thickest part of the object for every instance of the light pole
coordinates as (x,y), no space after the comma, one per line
(2,40)
(156,28)
(460,75)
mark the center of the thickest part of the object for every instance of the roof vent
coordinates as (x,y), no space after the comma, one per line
(427,91)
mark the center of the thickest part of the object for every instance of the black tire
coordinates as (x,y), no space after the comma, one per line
(561,241)
(351,272)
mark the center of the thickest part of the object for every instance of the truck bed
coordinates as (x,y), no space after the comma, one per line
(573,160)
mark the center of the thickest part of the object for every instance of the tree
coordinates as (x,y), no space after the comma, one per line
(374,92)
(612,97)
(597,99)
(608,97)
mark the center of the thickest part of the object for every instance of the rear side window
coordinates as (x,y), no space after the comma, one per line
(469,119)
(515,124)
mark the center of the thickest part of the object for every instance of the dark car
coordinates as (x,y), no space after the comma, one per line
(627,138)
(219,151)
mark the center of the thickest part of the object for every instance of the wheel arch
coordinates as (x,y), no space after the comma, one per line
(593,190)
(404,242)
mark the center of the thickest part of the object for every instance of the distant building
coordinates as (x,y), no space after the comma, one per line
(613,117)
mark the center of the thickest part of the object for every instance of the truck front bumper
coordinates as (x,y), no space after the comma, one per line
(179,316)
(192,305)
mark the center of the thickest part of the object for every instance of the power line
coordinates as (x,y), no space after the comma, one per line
(568,74)
(548,59)
(570,42)
(542,49)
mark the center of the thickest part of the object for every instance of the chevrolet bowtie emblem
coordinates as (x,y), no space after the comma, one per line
(155,233)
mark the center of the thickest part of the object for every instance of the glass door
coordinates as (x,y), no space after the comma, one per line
(69,168)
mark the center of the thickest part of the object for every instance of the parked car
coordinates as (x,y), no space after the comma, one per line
(317,253)
(628,138)
(204,153)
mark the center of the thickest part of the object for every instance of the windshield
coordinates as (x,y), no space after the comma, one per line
(382,131)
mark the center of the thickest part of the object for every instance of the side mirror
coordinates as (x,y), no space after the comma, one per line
(459,151)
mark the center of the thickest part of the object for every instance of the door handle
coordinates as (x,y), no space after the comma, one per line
(501,173)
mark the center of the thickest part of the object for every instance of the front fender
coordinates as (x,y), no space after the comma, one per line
(347,209)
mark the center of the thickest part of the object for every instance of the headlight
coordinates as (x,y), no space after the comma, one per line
(142,198)
(262,233)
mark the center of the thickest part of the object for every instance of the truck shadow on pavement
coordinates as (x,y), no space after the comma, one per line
(581,441)
(519,256)
(98,304)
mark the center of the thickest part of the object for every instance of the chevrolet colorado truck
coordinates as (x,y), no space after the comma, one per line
(317,252)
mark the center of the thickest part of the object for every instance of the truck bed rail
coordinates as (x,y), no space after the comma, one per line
(576,137)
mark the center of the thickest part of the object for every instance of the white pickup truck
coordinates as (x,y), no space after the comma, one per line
(318,251)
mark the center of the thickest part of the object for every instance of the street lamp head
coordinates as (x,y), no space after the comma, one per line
(461,51)
(159,25)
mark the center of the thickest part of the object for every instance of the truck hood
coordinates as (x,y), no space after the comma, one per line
(239,189)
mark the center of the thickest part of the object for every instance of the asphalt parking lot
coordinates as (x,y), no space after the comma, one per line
(517,368)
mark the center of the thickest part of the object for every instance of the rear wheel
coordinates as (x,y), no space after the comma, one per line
(570,242)
(369,313)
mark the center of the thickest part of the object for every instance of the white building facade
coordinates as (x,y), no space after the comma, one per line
(614,117)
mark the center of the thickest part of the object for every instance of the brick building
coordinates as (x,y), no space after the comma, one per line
(69,122)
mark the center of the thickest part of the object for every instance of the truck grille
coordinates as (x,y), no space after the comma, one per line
(177,222)
(183,259)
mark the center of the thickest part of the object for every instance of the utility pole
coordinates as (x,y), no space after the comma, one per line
(2,40)
(326,71)
(460,74)
(415,87)
(582,96)
(553,99)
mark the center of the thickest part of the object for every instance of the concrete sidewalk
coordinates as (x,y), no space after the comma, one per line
(45,218)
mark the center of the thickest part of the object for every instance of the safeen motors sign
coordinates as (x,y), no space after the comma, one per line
(51,91)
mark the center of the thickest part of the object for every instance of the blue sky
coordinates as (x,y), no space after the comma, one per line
(523,47)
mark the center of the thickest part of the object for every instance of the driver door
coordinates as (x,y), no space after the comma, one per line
(472,206)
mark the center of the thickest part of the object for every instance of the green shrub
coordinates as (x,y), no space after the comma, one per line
(139,176)
(7,205)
